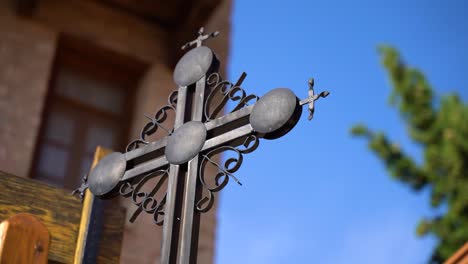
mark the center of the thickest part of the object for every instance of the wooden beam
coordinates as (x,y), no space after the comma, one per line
(90,204)
(58,210)
(101,227)
(73,226)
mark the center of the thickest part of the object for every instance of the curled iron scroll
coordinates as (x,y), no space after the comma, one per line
(225,170)
(155,122)
(228,91)
(146,201)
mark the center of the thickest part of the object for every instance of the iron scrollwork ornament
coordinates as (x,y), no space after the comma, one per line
(196,139)
(226,170)
(228,91)
(144,200)
(155,122)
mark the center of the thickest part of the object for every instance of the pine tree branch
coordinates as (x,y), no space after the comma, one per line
(442,132)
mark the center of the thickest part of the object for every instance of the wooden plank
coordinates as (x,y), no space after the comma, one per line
(101,227)
(93,228)
(23,239)
(59,211)
(110,245)
(460,257)
(86,215)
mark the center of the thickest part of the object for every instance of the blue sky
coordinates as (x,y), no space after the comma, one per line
(317,195)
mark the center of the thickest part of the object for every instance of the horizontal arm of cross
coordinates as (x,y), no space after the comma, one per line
(230,129)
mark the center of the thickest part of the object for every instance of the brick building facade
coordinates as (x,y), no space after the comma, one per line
(111,58)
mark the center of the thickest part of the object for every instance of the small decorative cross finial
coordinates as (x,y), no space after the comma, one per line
(81,190)
(312,97)
(199,41)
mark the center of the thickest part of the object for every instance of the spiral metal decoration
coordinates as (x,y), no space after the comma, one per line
(155,122)
(146,201)
(226,170)
(228,91)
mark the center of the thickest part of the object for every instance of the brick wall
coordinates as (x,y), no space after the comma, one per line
(26,53)
(27,48)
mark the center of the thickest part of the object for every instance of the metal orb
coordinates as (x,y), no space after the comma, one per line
(276,113)
(186,142)
(107,174)
(193,66)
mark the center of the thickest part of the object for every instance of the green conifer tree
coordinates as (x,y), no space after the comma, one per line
(440,127)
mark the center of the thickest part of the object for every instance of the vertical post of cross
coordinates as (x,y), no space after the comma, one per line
(190,221)
(170,234)
(182,248)
(190,224)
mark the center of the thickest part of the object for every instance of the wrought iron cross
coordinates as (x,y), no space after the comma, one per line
(197,136)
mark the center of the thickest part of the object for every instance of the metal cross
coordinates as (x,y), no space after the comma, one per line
(312,98)
(198,136)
